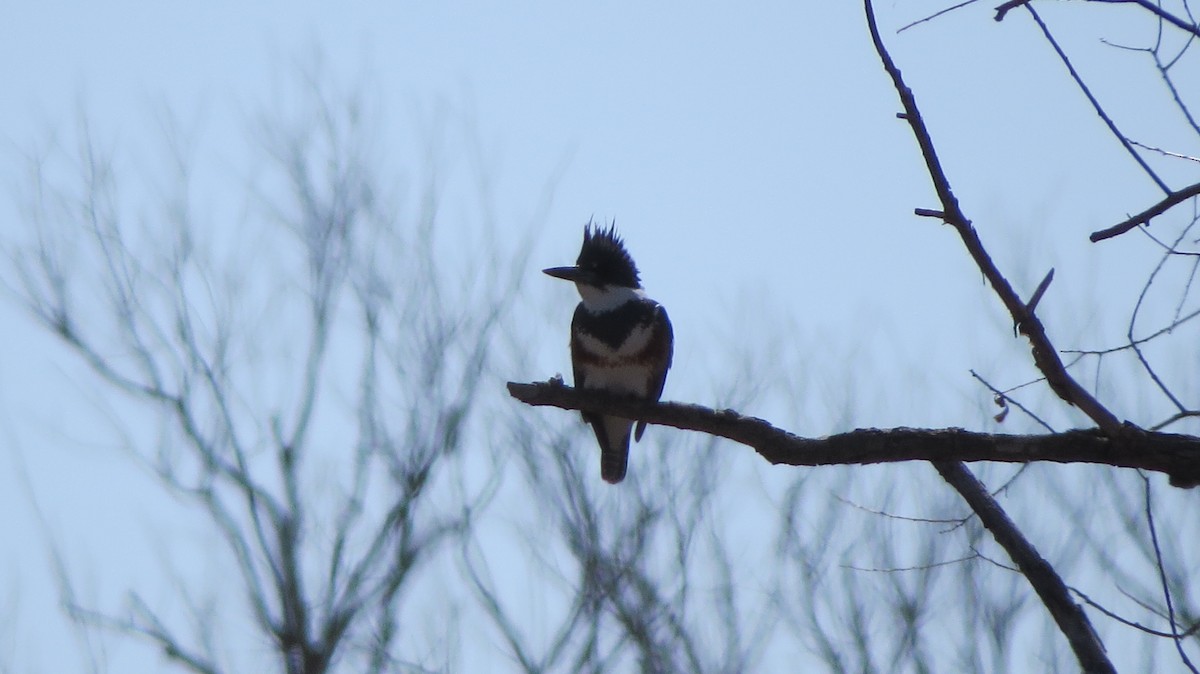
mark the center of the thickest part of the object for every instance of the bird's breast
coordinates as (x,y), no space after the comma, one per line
(631,348)
(627,368)
(632,379)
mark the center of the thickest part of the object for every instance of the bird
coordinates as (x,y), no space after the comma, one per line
(621,340)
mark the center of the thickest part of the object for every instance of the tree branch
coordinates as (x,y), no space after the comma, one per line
(1161,13)
(1045,356)
(1175,455)
(1087,92)
(1143,218)
(1042,576)
(1003,9)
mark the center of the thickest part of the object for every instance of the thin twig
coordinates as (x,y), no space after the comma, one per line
(1112,126)
(1129,334)
(1157,11)
(1178,416)
(936,14)
(1141,340)
(893,516)
(1165,153)
(1132,623)
(919,567)
(1162,576)
(1004,395)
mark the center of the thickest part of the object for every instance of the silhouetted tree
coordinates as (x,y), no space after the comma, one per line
(329,307)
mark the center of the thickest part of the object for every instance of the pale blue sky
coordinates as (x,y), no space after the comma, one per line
(749,153)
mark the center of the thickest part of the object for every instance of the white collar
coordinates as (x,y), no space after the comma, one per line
(607,298)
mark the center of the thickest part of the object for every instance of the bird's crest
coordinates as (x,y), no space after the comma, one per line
(604,254)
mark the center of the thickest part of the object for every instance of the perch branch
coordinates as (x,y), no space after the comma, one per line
(1176,455)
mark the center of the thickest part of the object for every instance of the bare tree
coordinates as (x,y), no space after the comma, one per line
(328,307)
(1160,584)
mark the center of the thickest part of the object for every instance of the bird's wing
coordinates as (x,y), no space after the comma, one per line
(663,342)
(578,375)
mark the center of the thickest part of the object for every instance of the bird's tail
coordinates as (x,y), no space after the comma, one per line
(613,464)
(614,447)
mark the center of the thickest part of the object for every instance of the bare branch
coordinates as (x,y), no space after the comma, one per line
(1176,455)
(936,14)
(1143,218)
(1166,153)
(1044,354)
(1112,126)
(1133,623)
(1045,581)
(1003,9)
(1162,576)
(1003,398)
(1158,11)
(1039,291)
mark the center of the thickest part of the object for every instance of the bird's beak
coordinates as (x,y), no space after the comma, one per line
(565,273)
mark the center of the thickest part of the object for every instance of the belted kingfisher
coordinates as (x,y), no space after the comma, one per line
(621,340)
